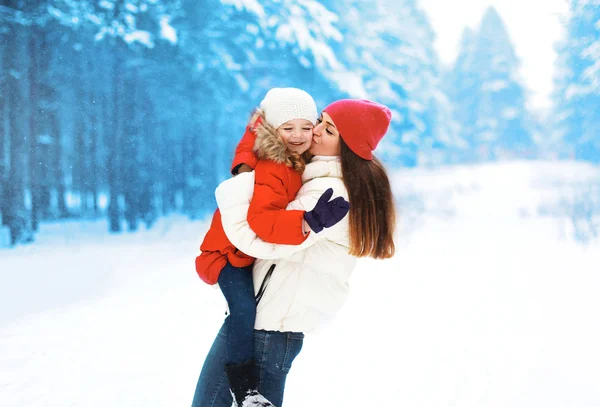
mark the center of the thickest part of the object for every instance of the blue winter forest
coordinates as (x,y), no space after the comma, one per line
(129,110)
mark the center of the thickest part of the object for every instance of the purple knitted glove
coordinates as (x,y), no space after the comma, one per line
(326,213)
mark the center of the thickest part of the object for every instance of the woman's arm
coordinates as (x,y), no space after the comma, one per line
(233,198)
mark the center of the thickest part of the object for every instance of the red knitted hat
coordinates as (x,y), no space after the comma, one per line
(361,123)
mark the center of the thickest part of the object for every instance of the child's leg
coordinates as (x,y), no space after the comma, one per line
(238,289)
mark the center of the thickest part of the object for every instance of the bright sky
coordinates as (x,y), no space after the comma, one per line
(534,27)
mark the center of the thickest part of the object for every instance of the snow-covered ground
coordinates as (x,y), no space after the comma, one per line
(486,303)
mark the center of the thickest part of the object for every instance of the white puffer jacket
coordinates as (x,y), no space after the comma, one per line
(300,287)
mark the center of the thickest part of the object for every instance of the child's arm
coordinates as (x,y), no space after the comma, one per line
(245,159)
(267,214)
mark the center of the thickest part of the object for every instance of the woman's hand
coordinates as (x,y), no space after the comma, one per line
(326,213)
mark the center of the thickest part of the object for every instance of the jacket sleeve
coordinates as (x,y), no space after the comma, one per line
(267,214)
(244,152)
(233,198)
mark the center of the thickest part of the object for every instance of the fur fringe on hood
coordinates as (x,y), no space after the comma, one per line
(269,146)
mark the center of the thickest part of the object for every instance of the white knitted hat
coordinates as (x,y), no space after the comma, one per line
(283,104)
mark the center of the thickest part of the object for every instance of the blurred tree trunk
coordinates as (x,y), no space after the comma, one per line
(94,107)
(114,140)
(79,131)
(16,215)
(3,134)
(4,144)
(131,182)
(93,176)
(34,110)
(45,148)
(106,119)
(58,156)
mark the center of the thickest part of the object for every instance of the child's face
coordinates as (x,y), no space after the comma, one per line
(296,134)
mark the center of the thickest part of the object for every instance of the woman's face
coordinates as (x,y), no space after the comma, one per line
(326,137)
(296,134)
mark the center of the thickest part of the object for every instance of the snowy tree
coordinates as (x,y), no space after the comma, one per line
(53,94)
(577,98)
(487,90)
(128,108)
(462,85)
(238,50)
(393,63)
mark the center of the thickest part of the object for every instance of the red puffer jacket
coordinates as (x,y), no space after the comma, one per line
(276,185)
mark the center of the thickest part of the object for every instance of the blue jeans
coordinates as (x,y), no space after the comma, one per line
(238,289)
(274,353)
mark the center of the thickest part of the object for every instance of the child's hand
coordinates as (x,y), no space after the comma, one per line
(327,213)
(243,168)
(254,120)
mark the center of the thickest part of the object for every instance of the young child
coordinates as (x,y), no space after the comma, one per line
(274,145)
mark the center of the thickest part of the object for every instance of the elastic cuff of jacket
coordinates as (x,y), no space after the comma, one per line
(312,222)
(234,170)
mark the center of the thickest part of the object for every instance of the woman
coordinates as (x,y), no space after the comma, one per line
(279,139)
(300,288)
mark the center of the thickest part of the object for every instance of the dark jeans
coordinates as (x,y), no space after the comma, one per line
(274,353)
(238,289)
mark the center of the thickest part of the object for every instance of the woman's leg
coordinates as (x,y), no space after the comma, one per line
(238,289)
(212,389)
(274,353)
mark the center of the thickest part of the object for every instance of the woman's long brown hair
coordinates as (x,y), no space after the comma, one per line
(372,214)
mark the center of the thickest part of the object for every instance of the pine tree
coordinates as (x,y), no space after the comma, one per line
(237,51)
(490,100)
(577,98)
(387,55)
(120,107)
(462,85)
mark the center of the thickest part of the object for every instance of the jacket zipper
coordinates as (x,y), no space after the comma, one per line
(263,285)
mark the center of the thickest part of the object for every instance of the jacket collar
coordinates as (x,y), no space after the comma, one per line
(337,158)
(323,166)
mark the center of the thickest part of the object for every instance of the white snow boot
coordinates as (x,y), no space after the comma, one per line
(243,383)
